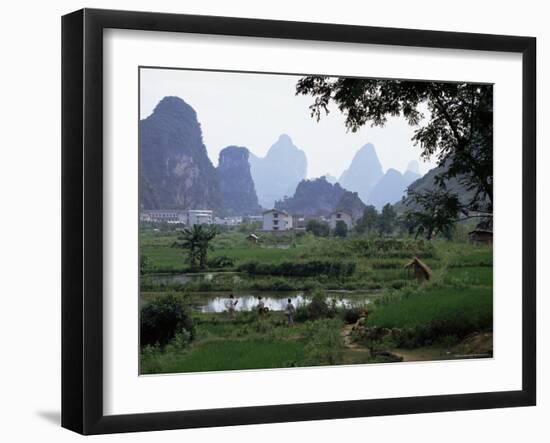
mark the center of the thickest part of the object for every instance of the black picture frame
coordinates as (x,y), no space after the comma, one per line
(82,218)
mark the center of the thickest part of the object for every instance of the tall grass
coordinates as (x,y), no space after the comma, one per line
(224,356)
(428,316)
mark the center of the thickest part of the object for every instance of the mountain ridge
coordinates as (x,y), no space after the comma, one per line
(363,172)
(236,184)
(175,171)
(278,173)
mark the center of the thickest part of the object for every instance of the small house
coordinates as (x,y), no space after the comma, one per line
(421,270)
(481,236)
(277,220)
(199,217)
(337,216)
(253,238)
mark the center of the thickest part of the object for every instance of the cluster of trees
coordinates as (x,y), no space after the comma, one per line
(373,222)
(321,228)
(318,228)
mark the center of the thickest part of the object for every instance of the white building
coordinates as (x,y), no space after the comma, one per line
(163,216)
(175,216)
(254,218)
(228,221)
(276,220)
(199,217)
(337,216)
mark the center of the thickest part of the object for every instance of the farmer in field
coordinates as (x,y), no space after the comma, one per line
(230,305)
(290,311)
(365,314)
(261,307)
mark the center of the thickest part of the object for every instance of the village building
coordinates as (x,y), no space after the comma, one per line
(299,222)
(177,216)
(199,217)
(172,216)
(254,218)
(228,221)
(276,220)
(337,216)
(481,236)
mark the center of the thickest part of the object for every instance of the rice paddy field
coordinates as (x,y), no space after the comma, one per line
(331,281)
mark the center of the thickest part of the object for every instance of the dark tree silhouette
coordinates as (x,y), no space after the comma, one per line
(341,229)
(368,222)
(318,228)
(387,220)
(440,211)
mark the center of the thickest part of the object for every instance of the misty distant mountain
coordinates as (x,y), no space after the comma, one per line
(363,173)
(412,173)
(331,178)
(393,186)
(278,173)
(236,184)
(411,177)
(413,167)
(389,189)
(174,169)
(319,197)
(427,183)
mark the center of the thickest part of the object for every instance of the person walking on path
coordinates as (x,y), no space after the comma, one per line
(290,311)
(230,305)
(261,307)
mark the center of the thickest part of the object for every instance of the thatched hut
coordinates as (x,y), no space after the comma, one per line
(253,238)
(421,270)
(481,236)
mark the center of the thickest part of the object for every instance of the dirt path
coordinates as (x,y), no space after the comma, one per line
(346,337)
(421,354)
(475,346)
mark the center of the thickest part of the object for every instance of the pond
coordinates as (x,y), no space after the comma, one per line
(215,302)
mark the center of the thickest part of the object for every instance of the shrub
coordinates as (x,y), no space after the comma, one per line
(324,344)
(221,261)
(143,263)
(162,318)
(318,228)
(311,268)
(351,315)
(341,229)
(316,309)
(392,248)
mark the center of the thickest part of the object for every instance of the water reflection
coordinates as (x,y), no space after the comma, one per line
(275,301)
(215,302)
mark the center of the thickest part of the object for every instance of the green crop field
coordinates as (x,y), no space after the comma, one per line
(456,303)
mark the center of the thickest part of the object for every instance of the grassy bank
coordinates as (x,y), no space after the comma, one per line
(225,355)
(248,342)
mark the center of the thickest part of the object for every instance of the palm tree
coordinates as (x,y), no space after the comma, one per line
(197,240)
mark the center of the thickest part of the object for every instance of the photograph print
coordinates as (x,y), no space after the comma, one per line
(298,220)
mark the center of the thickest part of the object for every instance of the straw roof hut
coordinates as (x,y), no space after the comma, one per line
(421,270)
(481,236)
(253,238)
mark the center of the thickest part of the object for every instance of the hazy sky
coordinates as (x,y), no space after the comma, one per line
(252,110)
